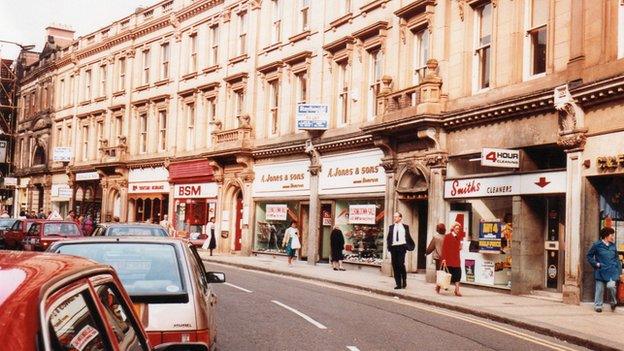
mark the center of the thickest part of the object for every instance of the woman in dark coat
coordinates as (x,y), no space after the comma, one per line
(337,242)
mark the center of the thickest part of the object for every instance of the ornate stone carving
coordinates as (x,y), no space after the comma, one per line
(174,21)
(218,171)
(436,160)
(462,6)
(130,52)
(244,121)
(572,141)
(572,131)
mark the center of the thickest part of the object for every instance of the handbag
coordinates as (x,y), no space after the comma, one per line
(295,244)
(443,278)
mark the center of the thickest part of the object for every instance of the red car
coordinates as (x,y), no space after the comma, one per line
(13,236)
(43,233)
(58,302)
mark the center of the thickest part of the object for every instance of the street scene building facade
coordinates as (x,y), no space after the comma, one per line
(500,115)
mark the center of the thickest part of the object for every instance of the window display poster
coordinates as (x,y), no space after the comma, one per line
(487,272)
(469,266)
(619,235)
(362,214)
(461,217)
(327,218)
(276,212)
(490,236)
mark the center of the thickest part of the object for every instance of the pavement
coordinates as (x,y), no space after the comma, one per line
(578,325)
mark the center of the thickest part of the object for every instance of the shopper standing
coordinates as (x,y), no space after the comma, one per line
(435,245)
(337,242)
(607,267)
(211,241)
(87,226)
(450,256)
(399,241)
(291,241)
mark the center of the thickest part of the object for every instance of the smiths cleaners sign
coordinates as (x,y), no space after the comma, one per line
(500,158)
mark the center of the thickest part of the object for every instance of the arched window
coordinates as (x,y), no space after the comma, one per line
(40,156)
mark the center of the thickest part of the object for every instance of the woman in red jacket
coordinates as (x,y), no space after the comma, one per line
(450,255)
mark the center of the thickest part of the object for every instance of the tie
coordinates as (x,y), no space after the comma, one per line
(396,233)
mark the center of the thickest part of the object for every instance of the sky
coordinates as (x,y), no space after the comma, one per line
(24,21)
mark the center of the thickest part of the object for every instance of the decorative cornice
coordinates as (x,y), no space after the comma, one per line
(414,9)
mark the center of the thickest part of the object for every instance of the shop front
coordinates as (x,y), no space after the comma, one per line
(148,194)
(604,197)
(60,194)
(351,191)
(194,196)
(513,229)
(87,194)
(281,193)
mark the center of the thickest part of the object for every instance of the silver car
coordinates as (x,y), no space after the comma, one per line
(165,279)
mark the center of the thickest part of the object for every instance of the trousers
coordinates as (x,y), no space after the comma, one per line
(599,293)
(397,256)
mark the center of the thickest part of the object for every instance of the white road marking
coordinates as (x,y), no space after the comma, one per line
(300,314)
(352,348)
(238,287)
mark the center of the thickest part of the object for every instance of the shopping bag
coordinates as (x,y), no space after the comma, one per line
(620,290)
(443,278)
(295,244)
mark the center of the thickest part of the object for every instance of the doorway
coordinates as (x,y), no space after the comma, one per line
(238,223)
(422,209)
(553,243)
(325,224)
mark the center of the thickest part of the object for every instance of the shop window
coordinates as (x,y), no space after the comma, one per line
(420,54)
(611,194)
(364,235)
(191,216)
(483,47)
(270,227)
(39,158)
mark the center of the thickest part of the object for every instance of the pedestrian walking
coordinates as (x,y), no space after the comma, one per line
(399,242)
(22,215)
(435,245)
(80,221)
(211,241)
(41,214)
(87,226)
(607,267)
(291,241)
(165,223)
(337,243)
(71,216)
(450,256)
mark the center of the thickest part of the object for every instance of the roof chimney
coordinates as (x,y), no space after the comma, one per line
(59,34)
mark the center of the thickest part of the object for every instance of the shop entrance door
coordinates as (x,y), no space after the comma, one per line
(421,241)
(553,244)
(325,225)
(238,222)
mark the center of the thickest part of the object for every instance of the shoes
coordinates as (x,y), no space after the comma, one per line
(457,293)
(397,287)
(437,289)
(598,309)
(335,269)
(341,269)
(404,285)
(613,307)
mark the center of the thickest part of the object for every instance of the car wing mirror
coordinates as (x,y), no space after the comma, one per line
(182,346)
(215,277)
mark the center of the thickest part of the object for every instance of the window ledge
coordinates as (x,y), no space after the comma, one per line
(100,99)
(211,69)
(272,47)
(341,20)
(303,35)
(141,87)
(238,59)
(535,76)
(162,82)
(189,76)
(119,93)
(373,5)
(85,103)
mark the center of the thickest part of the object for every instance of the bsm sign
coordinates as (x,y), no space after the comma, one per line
(500,158)
(193,191)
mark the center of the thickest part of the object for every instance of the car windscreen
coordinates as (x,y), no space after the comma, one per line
(149,271)
(7,223)
(135,231)
(60,229)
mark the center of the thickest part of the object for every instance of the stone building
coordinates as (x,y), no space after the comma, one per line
(188,108)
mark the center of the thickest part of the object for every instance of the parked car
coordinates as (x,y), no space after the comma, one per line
(129,229)
(68,303)
(165,279)
(5,224)
(43,233)
(13,236)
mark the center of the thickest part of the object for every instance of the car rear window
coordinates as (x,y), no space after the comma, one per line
(144,268)
(62,229)
(135,231)
(7,223)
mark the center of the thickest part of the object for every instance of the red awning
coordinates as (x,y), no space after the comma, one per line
(191,172)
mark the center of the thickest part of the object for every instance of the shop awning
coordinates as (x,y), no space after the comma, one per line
(198,171)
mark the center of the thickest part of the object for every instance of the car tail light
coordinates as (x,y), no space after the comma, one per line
(203,336)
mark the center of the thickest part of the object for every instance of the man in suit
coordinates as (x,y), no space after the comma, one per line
(399,241)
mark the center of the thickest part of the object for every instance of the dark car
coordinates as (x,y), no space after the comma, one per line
(5,224)
(58,302)
(129,229)
(15,234)
(43,233)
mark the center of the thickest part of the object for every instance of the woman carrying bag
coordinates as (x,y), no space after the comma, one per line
(450,256)
(291,241)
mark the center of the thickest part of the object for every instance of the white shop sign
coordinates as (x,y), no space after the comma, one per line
(87,176)
(521,184)
(282,179)
(10,181)
(362,214)
(156,174)
(505,158)
(62,154)
(276,212)
(148,187)
(312,116)
(196,191)
(355,172)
